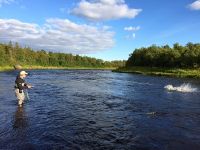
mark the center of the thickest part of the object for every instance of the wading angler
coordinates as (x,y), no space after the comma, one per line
(20,86)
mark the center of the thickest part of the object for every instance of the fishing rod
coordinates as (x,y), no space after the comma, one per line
(26,92)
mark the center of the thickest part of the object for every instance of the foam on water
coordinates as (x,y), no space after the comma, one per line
(182,88)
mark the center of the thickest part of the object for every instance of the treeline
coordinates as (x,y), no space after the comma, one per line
(11,54)
(178,56)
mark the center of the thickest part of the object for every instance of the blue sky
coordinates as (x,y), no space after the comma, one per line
(106,29)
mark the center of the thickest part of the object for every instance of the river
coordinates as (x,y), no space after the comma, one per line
(90,109)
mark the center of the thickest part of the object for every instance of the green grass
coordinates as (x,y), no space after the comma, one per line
(8,68)
(173,72)
(5,68)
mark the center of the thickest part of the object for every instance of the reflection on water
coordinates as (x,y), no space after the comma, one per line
(20,120)
(85,109)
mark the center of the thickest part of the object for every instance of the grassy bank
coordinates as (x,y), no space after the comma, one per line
(173,72)
(7,68)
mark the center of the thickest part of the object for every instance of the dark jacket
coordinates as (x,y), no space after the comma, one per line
(20,84)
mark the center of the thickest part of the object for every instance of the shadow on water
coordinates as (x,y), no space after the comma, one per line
(20,119)
(20,134)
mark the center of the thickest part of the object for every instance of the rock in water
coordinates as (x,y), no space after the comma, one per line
(17,67)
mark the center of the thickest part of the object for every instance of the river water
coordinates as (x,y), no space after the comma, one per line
(88,109)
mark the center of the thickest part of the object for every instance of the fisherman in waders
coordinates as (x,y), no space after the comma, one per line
(20,86)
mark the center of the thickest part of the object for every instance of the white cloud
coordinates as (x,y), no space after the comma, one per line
(3,2)
(99,10)
(195,5)
(57,35)
(131,37)
(130,28)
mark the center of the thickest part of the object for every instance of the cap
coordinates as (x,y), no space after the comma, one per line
(23,72)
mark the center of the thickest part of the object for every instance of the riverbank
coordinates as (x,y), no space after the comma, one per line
(173,72)
(8,68)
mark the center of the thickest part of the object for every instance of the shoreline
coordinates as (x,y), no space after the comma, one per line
(169,72)
(155,71)
(10,68)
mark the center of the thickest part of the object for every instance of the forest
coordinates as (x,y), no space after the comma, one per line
(177,56)
(13,53)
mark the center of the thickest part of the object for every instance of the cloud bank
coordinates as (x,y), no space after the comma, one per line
(57,35)
(195,5)
(100,10)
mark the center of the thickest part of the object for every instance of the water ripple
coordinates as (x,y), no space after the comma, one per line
(86,109)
